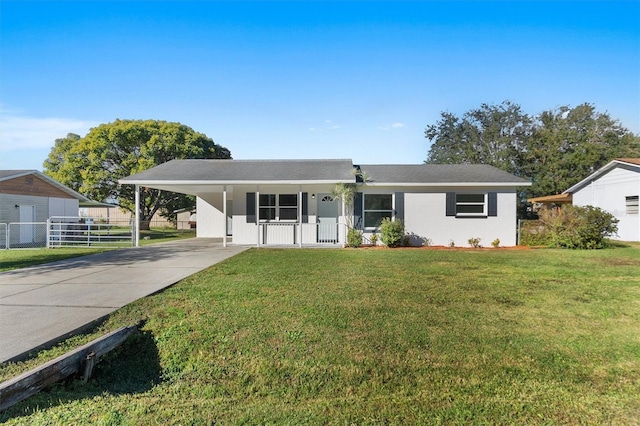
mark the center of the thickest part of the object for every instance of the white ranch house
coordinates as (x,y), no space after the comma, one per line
(289,202)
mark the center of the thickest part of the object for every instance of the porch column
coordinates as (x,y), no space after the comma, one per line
(224,212)
(258,214)
(300,216)
(136,224)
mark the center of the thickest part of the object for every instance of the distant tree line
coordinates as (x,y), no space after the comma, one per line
(554,149)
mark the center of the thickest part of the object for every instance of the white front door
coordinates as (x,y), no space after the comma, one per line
(27,216)
(328,208)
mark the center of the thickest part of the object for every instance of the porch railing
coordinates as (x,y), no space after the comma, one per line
(284,234)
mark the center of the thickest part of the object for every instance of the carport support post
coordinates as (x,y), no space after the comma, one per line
(136,224)
(300,216)
(224,212)
(258,212)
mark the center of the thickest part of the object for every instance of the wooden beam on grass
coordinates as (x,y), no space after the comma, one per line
(81,359)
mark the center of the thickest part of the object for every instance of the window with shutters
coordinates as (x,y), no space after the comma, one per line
(464,204)
(278,207)
(471,205)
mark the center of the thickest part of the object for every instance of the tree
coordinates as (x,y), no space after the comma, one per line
(568,144)
(92,165)
(555,149)
(491,134)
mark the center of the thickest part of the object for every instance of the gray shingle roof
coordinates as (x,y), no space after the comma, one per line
(247,171)
(438,173)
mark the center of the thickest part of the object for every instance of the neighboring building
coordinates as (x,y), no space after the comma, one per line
(29,196)
(614,188)
(290,202)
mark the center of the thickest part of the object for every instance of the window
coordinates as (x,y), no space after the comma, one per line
(288,204)
(278,207)
(632,204)
(470,204)
(377,207)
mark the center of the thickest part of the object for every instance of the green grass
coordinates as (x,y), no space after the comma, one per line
(371,337)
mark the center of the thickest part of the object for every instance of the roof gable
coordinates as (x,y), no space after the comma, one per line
(9,175)
(629,163)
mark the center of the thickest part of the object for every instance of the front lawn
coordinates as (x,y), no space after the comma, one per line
(371,337)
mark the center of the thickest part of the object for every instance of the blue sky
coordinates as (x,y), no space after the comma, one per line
(356,80)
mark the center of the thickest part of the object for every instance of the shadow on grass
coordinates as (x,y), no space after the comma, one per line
(132,368)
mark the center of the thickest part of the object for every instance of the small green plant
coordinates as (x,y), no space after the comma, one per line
(406,241)
(374,239)
(452,243)
(496,243)
(474,242)
(391,232)
(354,238)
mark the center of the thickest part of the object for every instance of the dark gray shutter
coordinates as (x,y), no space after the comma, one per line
(400,205)
(357,211)
(451,204)
(305,207)
(251,207)
(492,204)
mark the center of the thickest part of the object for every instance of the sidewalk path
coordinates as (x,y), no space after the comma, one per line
(43,304)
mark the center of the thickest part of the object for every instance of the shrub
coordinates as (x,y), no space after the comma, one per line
(474,242)
(391,232)
(374,239)
(578,227)
(354,238)
(496,243)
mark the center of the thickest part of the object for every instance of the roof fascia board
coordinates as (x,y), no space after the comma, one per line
(17,175)
(231,182)
(449,184)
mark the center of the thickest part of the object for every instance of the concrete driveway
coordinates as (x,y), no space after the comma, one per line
(42,305)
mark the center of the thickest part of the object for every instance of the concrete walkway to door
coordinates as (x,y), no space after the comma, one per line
(44,304)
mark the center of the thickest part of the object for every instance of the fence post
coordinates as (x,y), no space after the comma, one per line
(49,233)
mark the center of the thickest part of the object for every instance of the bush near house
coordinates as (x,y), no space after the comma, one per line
(570,227)
(391,232)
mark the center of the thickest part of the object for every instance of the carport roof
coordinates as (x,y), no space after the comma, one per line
(245,172)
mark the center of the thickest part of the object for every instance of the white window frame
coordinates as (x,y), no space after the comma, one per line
(632,204)
(484,204)
(278,208)
(365,210)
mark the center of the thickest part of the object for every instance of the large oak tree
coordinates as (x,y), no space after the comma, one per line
(93,164)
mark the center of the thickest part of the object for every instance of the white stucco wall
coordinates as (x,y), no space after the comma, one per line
(210,217)
(425,217)
(424,214)
(609,193)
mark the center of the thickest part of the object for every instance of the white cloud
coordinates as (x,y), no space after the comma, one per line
(396,125)
(19,132)
(327,126)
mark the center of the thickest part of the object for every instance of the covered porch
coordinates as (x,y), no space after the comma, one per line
(289,203)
